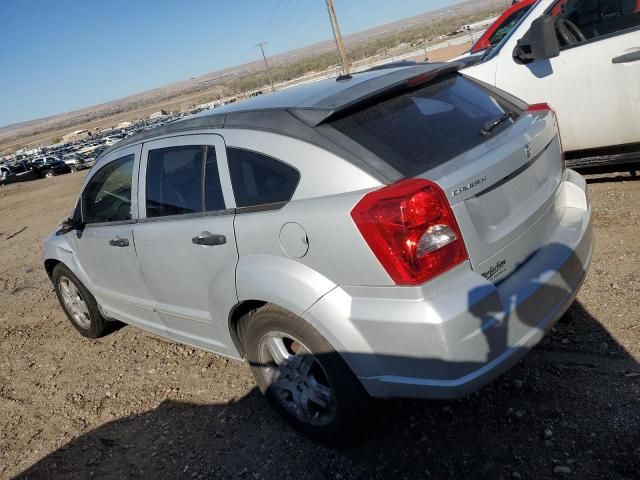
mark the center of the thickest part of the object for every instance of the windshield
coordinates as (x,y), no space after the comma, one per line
(425,127)
(494,49)
(507,25)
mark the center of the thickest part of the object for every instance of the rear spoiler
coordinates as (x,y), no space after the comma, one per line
(365,92)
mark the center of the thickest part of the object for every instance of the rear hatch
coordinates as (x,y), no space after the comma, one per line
(499,163)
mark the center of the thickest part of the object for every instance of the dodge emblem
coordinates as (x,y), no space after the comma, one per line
(527,150)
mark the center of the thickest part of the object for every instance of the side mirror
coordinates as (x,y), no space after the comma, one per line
(74,222)
(540,42)
(69,225)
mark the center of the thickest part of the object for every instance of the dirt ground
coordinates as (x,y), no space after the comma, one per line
(131,405)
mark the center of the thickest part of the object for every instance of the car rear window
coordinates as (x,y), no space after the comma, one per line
(424,127)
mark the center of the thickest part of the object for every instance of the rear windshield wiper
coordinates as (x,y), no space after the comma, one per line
(489,126)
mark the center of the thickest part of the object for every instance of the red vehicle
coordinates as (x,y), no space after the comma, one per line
(502,25)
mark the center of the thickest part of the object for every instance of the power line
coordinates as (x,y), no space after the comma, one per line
(278,12)
(303,24)
(288,11)
(261,45)
(348,19)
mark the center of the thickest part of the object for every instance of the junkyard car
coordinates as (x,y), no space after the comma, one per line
(51,167)
(404,232)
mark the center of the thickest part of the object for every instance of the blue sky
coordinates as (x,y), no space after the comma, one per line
(58,56)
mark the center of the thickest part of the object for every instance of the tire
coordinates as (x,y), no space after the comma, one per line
(92,324)
(73,169)
(48,175)
(348,404)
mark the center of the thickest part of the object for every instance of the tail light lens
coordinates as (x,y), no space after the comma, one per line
(540,107)
(544,107)
(411,230)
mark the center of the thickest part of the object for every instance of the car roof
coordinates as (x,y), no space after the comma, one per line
(297,111)
(330,94)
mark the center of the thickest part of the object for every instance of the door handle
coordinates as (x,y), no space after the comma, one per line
(119,242)
(208,238)
(627,57)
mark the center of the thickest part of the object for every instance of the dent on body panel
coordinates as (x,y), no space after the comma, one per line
(58,247)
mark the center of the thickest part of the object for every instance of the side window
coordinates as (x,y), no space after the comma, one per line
(258,179)
(581,20)
(213,198)
(174,181)
(107,196)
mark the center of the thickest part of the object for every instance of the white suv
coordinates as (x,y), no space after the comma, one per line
(582,57)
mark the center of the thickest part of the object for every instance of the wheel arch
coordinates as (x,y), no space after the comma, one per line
(239,310)
(276,280)
(59,249)
(246,306)
(49,265)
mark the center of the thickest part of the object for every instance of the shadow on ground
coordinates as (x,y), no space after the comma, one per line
(613,174)
(572,402)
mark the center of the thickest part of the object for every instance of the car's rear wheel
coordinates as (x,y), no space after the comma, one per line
(303,377)
(73,169)
(48,175)
(78,303)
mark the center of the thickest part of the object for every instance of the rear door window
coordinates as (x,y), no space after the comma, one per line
(425,127)
(174,181)
(258,179)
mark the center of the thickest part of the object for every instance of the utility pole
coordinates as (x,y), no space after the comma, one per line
(338,36)
(261,45)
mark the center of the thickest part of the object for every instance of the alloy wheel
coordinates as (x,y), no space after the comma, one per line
(297,378)
(74,302)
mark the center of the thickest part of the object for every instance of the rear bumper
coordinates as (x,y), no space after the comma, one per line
(448,338)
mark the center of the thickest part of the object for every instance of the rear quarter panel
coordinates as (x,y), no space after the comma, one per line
(329,187)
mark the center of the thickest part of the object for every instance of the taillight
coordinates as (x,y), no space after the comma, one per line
(544,107)
(411,229)
(538,107)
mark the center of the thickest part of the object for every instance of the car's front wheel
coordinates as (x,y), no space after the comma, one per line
(48,174)
(78,303)
(305,379)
